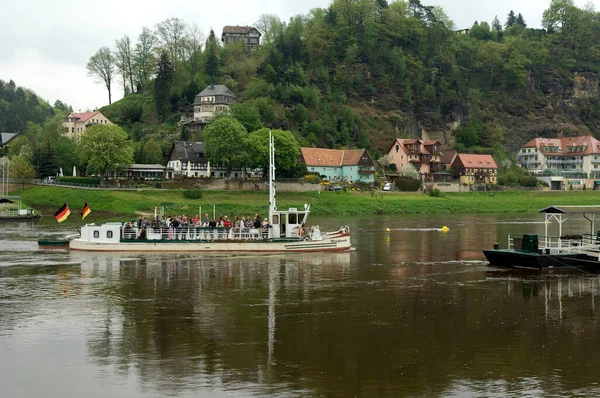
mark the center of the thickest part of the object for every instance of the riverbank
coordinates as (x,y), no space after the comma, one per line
(48,199)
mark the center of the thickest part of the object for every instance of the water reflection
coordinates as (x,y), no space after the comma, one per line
(388,319)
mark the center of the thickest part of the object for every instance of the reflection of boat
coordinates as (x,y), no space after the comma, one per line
(542,252)
(11,210)
(283,233)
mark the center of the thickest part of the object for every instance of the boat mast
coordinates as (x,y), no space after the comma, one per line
(272,199)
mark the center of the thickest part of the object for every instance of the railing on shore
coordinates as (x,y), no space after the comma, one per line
(194,233)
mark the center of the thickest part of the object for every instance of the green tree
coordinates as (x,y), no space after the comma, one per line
(511,19)
(162,85)
(560,16)
(152,153)
(286,150)
(520,20)
(224,139)
(21,170)
(247,114)
(211,56)
(105,148)
(44,160)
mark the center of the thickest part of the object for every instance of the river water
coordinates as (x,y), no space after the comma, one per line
(411,312)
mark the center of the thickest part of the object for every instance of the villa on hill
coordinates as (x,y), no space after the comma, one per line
(214,98)
(339,165)
(76,123)
(475,169)
(249,35)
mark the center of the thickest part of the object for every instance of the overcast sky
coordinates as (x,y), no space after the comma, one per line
(45,45)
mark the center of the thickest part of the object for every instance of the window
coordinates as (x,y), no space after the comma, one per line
(72,129)
(109,234)
(96,234)
(293,218)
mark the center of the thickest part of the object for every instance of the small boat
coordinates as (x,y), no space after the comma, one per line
(284,232)
(11,210)
(49,244)
(547,252)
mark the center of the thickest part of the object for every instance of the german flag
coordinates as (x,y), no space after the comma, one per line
(86,211)
(62,213)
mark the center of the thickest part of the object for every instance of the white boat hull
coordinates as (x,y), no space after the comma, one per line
(337,242)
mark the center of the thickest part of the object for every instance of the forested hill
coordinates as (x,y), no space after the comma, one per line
(18,106)
(362,72)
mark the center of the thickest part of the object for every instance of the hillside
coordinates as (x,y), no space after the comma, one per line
(358,74)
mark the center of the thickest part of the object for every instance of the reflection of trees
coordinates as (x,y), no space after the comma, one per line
(313,325)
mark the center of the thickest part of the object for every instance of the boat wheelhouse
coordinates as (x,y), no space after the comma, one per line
(11,209)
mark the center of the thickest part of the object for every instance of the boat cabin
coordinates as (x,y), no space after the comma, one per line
(106,233)
(288,223)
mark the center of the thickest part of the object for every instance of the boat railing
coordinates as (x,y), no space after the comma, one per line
(191,233)
(556,244)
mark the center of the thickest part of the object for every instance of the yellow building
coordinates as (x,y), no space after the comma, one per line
(76,123)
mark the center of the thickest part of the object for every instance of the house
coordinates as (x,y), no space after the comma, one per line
(6,138)
(447,159)
(568,156)
(339,164)
(187,159)
(463,31)
(249,35)
(423,155)
(471,169)
(142,171)
(214,98)
(76,123)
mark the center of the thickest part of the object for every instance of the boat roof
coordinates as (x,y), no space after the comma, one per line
(9,199)
(569,209)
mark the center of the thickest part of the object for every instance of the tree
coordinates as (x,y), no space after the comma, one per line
(102,67)
(152,153)
(270,26)
(105,148)
(520,21)
(286,150)
(211,57)
(172,35)
(44,160)
(224,139)
(193,45)
(124,61)
(21,170)
(384,161)
(561,15)
(510,21)
(162,85)
(247,114)
(143,57)
(496,25)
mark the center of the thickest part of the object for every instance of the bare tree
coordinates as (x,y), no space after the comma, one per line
(269,25)
(144,60)
(124,61)
(195,38)
(172,35)
(102,67)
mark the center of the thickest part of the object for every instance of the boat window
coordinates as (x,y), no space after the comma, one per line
(96,234)
(275,218)
(109,234)
(293,218)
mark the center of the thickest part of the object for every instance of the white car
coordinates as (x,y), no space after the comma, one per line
(387,186)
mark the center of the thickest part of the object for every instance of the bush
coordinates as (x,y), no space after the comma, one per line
(312,179)
(409,185)
(80,180)
(435,193)
(192,194)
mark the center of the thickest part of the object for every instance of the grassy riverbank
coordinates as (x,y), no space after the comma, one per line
(47,199)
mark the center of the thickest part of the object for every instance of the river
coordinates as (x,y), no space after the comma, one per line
(411,312)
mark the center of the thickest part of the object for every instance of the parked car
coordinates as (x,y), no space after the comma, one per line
(336,188)
(387,186)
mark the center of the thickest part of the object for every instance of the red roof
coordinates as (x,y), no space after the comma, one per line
(477,161)
(332,157)
(589,144)
(424,144)
(83,116)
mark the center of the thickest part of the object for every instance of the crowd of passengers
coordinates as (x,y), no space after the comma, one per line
(173,227)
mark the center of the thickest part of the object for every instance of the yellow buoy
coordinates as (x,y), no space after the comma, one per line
(445,229)
(388,230)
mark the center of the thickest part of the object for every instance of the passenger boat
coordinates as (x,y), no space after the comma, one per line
(285,233)
(11,209)
(559,251)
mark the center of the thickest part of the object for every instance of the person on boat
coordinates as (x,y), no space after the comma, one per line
(128,232)
(227,222)
(212,223)
(143,234)
(300,231)
(257,221)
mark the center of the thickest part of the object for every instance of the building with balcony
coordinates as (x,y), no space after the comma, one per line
(423,155)
(339,165)
(249,35)
(475,169)
(576,157)
(76,123)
